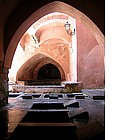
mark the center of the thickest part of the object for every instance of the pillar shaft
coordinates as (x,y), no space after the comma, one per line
(3,85)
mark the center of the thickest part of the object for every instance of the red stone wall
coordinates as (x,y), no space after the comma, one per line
(90,59)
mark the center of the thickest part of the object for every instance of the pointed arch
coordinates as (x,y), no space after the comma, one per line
(32,66)
(55,6)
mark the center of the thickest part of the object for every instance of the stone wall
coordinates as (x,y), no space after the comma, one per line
(91,70)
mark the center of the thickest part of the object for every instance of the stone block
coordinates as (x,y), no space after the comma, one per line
(71,86)
(50,105)
(53,96)
(99,97)
(78,93)
(60,95)
(41,131)
(46,116)
(70,95)
(13,95)
(71,103)
(46,96)
(27,96)
(78,113)
(80,97)
(36,95)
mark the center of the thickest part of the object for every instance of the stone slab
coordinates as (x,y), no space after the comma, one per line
(80,97)
(41,131)
(78,113)
(100,97)
(47,124)
(27,96)
(13,95)
(70,95)
(53,96)
(36,95)
(48,105)
(71,103)
(46,116)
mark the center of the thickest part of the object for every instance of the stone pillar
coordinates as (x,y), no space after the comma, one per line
(3,85)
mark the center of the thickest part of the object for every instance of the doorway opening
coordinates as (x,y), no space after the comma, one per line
(49,73)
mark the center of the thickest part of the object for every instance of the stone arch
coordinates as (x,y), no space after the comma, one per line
(32,66)
(46,61)
(57,7)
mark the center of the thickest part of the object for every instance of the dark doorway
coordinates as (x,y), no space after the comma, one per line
(49,72)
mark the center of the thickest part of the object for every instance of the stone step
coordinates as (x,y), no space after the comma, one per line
(39,89)
(48,124)
(48,110)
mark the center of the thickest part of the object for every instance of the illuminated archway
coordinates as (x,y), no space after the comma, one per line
(90,54)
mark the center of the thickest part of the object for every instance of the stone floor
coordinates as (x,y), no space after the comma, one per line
(90,100)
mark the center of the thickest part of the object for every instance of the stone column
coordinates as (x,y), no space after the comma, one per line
(3,85)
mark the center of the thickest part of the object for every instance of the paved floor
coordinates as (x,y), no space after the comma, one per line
(91,128)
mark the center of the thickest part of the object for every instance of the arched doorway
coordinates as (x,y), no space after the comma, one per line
(41,70)
(49,72)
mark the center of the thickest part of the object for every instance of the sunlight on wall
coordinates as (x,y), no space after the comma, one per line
(29,44)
